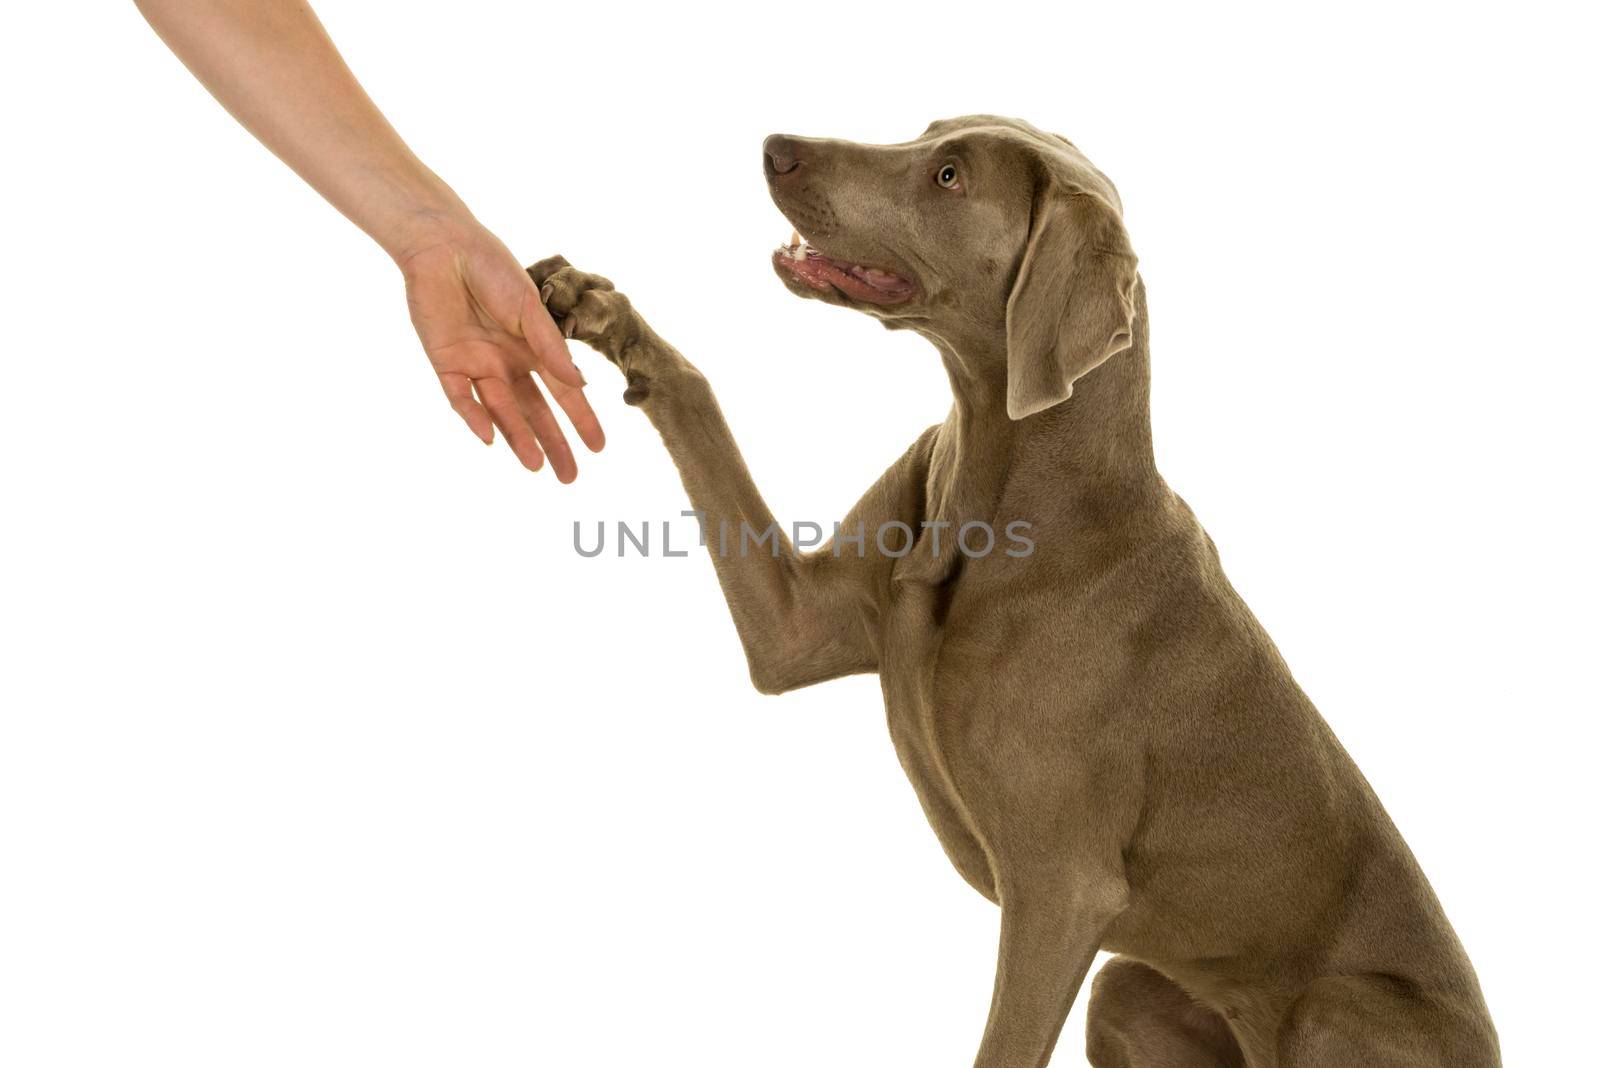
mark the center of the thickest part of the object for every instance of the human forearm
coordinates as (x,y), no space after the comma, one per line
(271,64)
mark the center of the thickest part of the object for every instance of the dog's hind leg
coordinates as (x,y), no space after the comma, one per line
(1382,1021)
(802,617)
(1138,1018)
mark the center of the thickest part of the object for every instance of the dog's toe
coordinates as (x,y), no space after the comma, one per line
(586,307)
(541,271)
(564,287)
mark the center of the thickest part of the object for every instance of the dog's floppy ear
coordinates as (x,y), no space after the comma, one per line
(1072,306)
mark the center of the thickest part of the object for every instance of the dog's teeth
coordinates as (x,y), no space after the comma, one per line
(794,239)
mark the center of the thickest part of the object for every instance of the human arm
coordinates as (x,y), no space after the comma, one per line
(274,68)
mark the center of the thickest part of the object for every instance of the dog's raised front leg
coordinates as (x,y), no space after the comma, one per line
(799,616)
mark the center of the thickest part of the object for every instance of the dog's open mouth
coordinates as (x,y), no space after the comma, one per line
(870,285)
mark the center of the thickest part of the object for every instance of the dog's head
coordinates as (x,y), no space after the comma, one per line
(983,226)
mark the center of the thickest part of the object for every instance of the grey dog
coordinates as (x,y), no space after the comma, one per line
(1105,740)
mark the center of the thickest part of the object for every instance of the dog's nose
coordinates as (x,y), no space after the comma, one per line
(780,155)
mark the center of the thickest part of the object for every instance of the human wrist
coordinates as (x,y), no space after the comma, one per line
(417,213)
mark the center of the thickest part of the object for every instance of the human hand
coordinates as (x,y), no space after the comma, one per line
(488,335)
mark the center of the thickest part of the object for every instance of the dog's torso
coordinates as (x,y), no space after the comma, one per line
(1108,701)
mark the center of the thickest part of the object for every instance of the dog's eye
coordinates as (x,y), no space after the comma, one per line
(947,177)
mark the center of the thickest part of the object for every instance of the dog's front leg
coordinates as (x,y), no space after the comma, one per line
(1047,943)
(799,616)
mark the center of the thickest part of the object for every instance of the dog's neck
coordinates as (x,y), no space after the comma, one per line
(1083,461)
(1099,438)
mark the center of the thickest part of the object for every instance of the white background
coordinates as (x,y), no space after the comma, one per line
(321,746)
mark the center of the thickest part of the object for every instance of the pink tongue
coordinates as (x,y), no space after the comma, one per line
(870,275)
(824,272)
(815,269)
(875,276)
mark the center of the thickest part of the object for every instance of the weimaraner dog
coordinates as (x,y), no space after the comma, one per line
(1106,742)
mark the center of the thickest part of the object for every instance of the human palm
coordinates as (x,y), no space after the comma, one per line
(489,338)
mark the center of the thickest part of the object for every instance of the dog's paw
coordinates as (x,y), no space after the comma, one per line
(588,308)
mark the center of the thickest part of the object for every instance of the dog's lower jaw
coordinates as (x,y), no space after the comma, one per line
(805,268)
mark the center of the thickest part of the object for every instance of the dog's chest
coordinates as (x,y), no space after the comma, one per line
(985,721)
(908,673)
